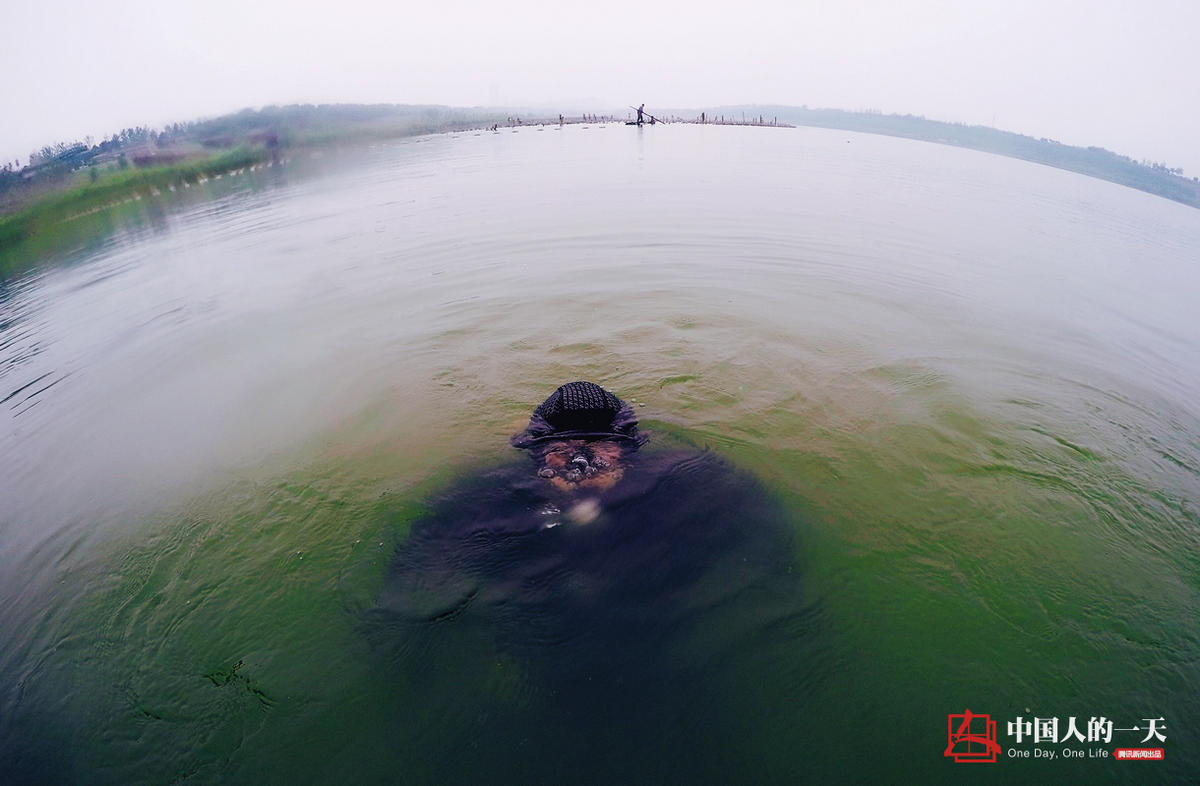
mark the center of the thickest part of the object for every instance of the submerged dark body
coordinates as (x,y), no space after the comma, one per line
(596,621)
(506,537)
(563,603)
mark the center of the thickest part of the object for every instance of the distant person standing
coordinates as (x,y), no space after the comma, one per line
(640,108)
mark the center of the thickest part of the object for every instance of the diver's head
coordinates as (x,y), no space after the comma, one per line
(579,435)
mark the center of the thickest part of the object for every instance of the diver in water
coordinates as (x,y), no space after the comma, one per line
(588,573)
(579,437)
(659,519)
(588,465)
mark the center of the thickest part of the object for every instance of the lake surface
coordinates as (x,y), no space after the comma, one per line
(966,383)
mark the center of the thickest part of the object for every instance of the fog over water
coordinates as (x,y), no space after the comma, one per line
(1116,75)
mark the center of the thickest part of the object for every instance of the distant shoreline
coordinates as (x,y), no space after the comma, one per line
(1095,162)
(38,202)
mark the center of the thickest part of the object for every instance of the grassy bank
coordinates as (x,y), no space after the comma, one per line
(65,210)
(110,188)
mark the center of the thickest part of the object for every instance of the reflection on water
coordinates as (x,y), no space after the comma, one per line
(964,383)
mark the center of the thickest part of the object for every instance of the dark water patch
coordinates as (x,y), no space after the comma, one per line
(180,660)
(632,631)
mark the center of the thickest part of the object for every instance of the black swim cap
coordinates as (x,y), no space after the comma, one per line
(580,410)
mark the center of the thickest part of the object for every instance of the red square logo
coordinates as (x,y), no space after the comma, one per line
(971,737)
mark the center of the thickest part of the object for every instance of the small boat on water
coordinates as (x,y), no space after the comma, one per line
(643,117)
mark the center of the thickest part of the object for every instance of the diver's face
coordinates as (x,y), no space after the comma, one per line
(579,464)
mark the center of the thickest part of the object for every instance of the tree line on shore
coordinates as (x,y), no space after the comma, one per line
(52,162)
(58,165)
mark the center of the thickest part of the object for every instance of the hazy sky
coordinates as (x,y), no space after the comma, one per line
(1121,75)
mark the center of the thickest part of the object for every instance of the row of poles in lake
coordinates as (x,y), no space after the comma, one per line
(645,118)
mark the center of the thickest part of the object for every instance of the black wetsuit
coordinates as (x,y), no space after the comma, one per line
(671,518)
(599,619)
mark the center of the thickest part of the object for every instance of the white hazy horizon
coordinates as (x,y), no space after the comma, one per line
(1109,74)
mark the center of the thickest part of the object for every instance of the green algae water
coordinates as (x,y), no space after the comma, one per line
(966,384)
